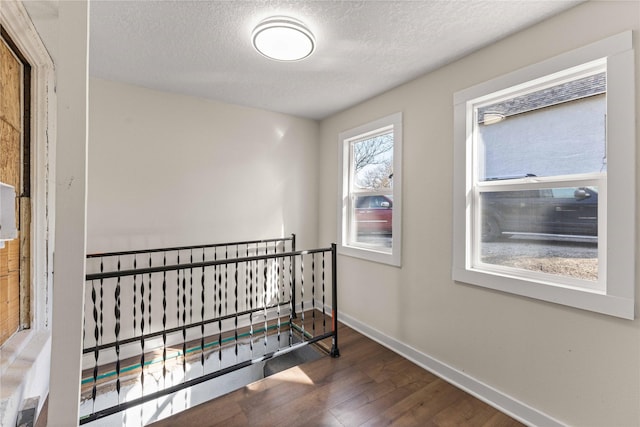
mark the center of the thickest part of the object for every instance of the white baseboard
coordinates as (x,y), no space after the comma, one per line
(499,400)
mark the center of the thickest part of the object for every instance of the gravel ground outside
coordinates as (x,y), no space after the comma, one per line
(570,258)
(565,258)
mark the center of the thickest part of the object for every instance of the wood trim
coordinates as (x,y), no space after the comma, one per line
(25,263)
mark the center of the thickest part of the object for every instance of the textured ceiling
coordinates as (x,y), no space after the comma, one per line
(203,48)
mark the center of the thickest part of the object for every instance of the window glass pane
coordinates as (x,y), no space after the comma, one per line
(559,130)
(371,208)
(371,220)
(373,163)
(552,231)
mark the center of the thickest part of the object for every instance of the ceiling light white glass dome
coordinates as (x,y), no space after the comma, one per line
(283,39)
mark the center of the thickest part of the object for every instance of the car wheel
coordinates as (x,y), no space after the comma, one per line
(490,230)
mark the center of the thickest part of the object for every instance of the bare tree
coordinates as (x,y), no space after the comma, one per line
(373,161)
(371,151)
(377,177)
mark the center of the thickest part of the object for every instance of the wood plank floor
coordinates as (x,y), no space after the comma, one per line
(368,385)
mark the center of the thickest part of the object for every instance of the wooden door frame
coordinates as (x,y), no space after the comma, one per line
(32,347)
(40,135)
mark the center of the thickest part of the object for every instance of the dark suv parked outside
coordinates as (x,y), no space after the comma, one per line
(550,212)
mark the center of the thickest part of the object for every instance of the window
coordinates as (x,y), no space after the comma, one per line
(370,203)
(544,180)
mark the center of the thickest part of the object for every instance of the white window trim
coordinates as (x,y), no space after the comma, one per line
(618,298)
(372,254)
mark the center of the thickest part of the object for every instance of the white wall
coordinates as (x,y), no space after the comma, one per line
(171,170)
(168,169)
(573,366)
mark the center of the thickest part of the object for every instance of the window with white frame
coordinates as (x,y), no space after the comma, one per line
(370,204)
(544,180)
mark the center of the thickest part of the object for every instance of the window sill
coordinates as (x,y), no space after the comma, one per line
(24,368)
(584,299)
(391,258)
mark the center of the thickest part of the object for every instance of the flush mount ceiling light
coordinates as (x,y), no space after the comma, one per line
(283,39)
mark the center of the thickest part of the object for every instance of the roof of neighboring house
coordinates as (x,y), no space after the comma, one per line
(570,91)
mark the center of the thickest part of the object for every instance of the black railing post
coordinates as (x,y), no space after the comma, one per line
(293,278)
(147,337)
(334,297)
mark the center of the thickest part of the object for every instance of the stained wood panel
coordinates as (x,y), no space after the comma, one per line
(9,155)
(10,87)
(9,289)
(10,173)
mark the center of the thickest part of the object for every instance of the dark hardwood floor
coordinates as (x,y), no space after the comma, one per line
(368,385)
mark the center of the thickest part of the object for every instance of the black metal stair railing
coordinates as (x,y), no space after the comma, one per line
(233,305)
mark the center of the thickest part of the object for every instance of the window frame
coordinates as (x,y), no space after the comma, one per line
(615,295)
(392,123)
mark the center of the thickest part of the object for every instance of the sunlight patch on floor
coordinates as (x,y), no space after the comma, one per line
(294,375)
